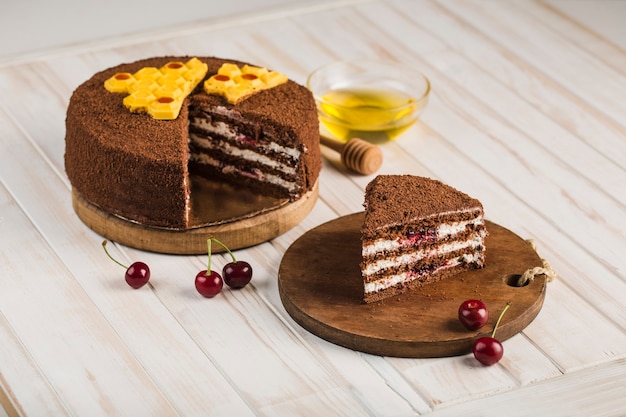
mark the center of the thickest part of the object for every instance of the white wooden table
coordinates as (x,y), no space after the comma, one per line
(527,113)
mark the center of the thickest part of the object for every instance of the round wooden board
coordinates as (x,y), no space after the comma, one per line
(321,288)
(266,220)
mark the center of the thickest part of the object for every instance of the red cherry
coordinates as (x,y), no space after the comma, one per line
(487,350)
(237,274)
(137,275)
(209,284)
(473,314)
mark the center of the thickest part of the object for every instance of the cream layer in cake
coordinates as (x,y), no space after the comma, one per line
(220,142)
(417,231)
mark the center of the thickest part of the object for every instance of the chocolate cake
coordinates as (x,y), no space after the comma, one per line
(417,231)
(138,167)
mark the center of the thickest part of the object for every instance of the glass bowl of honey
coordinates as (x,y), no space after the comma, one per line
(373,100)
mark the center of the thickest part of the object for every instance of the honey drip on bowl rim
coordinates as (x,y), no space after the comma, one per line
(375,115)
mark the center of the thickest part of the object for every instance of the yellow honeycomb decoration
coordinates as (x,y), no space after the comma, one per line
(237,83)
(160,92)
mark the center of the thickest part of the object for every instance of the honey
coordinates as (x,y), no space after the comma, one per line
(376,115)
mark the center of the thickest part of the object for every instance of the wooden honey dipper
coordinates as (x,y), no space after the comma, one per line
(356,154)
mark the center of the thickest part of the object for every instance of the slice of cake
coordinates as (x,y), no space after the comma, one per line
(417,231)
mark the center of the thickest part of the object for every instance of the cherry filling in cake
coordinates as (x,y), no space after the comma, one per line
(420,256)
(417,231)
(223,145)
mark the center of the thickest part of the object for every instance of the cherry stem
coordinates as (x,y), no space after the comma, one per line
(104,245)
(506,307)
(224,246)
(208,244)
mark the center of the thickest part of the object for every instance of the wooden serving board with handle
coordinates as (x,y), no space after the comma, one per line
(321,288)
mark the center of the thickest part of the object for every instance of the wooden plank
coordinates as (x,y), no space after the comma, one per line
(603,23)
(582,29)
(549,115)
(23,388)
(109,385)
(595,391)
(595,83)
(255,351)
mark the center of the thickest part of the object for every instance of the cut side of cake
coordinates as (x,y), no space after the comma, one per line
(220,139)
(417,231)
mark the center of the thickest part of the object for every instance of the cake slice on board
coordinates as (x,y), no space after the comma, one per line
(416,231)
